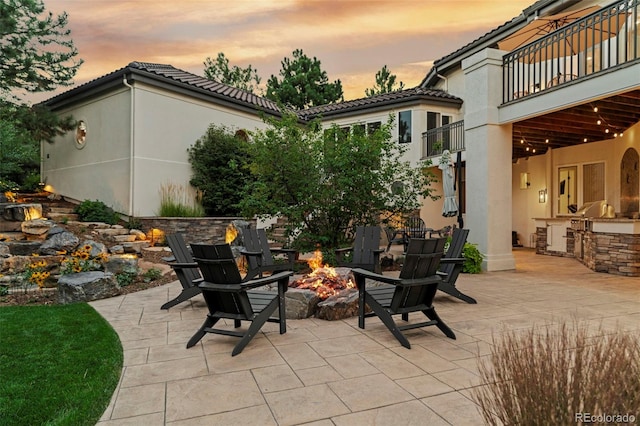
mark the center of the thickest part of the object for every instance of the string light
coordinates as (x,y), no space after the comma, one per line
(602,121)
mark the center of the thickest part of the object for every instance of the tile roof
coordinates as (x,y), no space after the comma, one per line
(162,74)
(383,100)
(167,75)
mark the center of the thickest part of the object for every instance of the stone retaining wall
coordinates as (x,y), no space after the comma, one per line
(613,253)
(208,230)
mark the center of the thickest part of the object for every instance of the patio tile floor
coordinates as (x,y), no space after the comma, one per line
(333,373)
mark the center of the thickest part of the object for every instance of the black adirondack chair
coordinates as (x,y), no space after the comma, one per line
(260,257)
(365,250)
(185,267)
(394,236)
(452,264)
(229,297)
(415,227)
(412,291)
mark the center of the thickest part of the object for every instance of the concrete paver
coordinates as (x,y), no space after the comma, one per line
(333,373)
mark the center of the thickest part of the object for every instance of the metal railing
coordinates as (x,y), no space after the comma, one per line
(597,42)
(449,136)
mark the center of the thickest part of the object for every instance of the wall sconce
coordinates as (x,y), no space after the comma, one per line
(524,181)
(542,196)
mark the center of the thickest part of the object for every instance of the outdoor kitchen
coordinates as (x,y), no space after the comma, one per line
(597,236)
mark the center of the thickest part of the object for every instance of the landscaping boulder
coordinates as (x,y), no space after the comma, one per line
(300,303)
(37,227)
(87,286)
(341,306)
(4,250)
(96,248)
(64,241)
(118,264)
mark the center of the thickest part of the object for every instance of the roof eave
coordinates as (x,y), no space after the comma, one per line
(384,105)
(116,79)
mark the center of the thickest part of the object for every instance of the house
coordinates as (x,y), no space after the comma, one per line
(134,127)
(551,124)
(542,124)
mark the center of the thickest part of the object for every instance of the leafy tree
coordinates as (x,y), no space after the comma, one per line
(37,54)
(385,83)
(242,78)
(325,182)
(21,130)
(219,162)
(303,83)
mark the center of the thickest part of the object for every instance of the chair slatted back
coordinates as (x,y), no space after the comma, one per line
(458,240)
(256,240)
(422,260)
(367,240)
(182,255)
(415,227)
(218,266)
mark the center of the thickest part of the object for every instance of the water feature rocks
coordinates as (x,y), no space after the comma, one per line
(22,212)
(87,286)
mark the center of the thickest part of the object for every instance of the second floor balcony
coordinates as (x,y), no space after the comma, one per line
(449,137)
(603,39)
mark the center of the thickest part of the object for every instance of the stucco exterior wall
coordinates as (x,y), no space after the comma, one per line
(163,126)
(100,168)
(543,174)
(166,125)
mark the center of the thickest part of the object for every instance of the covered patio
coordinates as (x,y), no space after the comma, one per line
(334,372)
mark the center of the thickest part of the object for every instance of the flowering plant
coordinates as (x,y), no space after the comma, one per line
(82,261)
(36,273)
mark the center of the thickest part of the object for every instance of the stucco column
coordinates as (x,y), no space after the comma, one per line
(489,152)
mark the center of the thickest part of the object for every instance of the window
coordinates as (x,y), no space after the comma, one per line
(372,127)
(593,182)
(432,120)
(404,127)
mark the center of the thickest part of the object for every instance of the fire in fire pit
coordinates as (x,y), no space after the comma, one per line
(323,279)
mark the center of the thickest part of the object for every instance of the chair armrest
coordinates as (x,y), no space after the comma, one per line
(233,288)
(290,253)
(183,265)
(343,250)
(373,276)
(452,260)
(250,253)
(283,251)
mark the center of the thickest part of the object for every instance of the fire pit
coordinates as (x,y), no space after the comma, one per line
(323,279)
(336,296)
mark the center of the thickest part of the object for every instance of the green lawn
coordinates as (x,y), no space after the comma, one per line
(59,365)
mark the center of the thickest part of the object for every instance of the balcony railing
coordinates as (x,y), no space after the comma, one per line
(449,136)
(597,42)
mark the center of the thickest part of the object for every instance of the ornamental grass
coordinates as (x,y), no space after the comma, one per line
(560,375)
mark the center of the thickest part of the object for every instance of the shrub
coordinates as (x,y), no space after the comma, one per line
(96,211)
(472,259)
(126,278)
(151,274)
(219,160)
(548,376)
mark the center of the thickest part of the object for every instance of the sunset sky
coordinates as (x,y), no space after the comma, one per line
(353,39)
